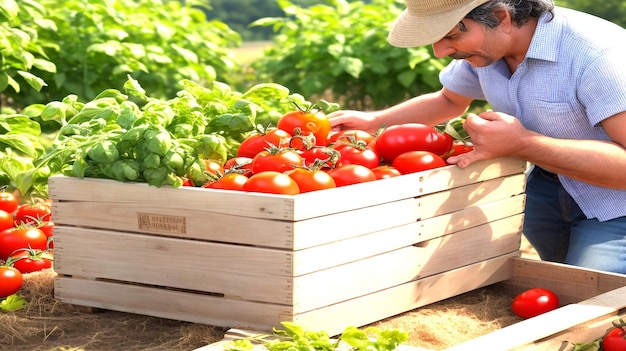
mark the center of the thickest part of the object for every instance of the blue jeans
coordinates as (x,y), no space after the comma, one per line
(560,232)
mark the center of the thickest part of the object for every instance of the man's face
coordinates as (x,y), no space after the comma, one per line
(471,42)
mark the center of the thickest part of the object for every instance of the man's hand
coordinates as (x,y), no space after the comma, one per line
(493,135)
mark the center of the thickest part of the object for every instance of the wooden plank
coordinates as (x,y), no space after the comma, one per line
(282,207)
(410,263)
(356,248)
(225,312)
(548,324)
(571,284)
(176,263)
(585,332)
(405,297)
(161,219)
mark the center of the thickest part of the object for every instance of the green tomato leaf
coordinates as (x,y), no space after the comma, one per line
(13,303)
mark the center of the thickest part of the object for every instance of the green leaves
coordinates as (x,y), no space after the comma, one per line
(342,48)
(293,337)
(157,142)
(83,47)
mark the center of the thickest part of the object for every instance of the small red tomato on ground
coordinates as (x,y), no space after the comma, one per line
(615,339)
(29,260)
(17,238)
(351,174)
(417,161)
(10,281)
(534,302)
(272,182)
(8,202)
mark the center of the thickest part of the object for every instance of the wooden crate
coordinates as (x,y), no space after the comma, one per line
(590,301)
(321,259)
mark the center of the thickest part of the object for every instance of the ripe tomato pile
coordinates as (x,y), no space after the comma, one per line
(302,154)
(25,240)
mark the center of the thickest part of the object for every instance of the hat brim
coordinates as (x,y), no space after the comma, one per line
(412,30)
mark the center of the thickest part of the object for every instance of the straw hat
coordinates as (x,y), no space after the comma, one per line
(426,21)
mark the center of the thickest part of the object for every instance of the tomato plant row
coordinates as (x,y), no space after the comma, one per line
(302,154)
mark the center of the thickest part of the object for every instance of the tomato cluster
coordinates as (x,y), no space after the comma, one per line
(25,240)
(302,154)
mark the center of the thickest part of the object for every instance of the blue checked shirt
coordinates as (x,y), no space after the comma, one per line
(573,77)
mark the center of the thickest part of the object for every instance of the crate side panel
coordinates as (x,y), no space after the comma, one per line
(360,247)
(173,304)
(160,219)
(406,186)
(403,265)
(349,224)
(477,193)
(224,312)
(399,299)
(571,284)
(261,274)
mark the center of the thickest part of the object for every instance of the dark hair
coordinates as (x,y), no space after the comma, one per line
(521,11)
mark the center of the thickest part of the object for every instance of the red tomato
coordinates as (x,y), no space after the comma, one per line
(8,202)
(260,140)
(417,161)
(21,238)
(351,174)
(398,139)
(279,160)
(48,229)
(615,339)
(214,168)
(229,181)
(383,172)
(322,155)
(272,182)
(311,179)
(306,122)
(358,155)
(33,213)
(460,148)
(28,261)
(6,220)
(351,136)
(534,302)
(242,165)
(10,281)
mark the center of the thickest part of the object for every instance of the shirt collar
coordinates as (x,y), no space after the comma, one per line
(545,42)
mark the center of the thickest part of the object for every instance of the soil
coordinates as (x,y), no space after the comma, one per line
(47,324)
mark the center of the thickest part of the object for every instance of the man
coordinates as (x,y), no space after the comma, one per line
(556,79)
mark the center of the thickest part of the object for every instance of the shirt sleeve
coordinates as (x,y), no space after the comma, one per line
(459,77)
(602,85)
